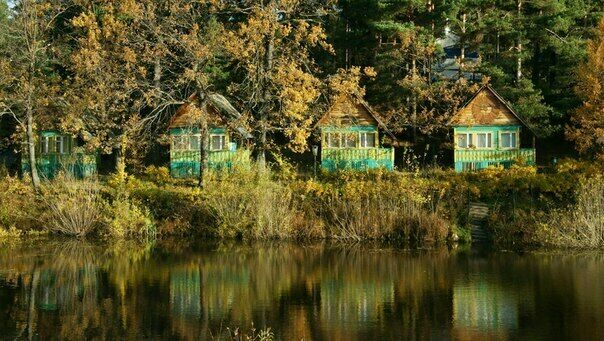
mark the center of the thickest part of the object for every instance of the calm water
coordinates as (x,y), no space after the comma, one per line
(53,289)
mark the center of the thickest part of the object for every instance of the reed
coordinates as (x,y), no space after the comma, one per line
(73,207)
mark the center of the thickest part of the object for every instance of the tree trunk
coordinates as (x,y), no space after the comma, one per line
(32,304)
(519,47)
(120,158)
(270,47)
(31,146)
(414,99)
(462,47)
(203,153)
(498,51)
(157,71)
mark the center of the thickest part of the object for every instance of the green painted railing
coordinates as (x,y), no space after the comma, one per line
(357,159)
(475,159)
(49,165)
(185,164)
(494,155)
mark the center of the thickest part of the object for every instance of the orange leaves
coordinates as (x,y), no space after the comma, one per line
(588,120)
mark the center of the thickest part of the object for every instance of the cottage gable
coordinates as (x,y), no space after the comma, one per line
(486,108)
(348,111)
(216,110)
(189,114)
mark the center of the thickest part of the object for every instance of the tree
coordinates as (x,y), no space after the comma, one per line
(134,62)
(587,129)
(28,81)
(275,74)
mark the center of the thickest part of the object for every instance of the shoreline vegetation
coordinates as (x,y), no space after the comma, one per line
(561,207)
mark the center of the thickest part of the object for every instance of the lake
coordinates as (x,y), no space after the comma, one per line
(65,289)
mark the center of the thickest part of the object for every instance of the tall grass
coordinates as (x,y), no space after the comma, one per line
(379,211)
(250,205)
(582,225)
(74,207)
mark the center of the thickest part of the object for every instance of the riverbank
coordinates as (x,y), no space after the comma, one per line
(561,207)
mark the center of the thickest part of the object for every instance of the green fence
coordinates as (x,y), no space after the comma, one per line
(357,159)
(184,164)
(474,159)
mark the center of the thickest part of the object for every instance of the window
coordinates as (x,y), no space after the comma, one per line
(464,140)
(349,140)
(333,140)
(217,142)
(61,144)
(508,140)
(180,142)
(194,142)
(368,140)
(483,140)
(45,145)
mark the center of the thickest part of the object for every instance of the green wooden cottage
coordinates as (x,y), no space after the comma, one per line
(226,144)
(489,132)
(56,152)
(352,135)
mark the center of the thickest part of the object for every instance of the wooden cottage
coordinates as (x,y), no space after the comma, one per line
(489,132)
(56,152)
(224,142)
(352,135)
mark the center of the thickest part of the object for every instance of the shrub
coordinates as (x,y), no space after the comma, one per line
(582,224)
(125,216)
(19,208)
(74,207)
(249,205)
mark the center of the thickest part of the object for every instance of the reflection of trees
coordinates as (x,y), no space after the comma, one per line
(137,291)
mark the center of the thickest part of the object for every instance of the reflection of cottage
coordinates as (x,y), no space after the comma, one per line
(488,132)
(224,147)
(362,302)
(185,292)
(56,152)
(483,308)
(351,136)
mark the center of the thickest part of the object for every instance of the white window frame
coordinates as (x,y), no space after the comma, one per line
(344,136)
(335,137)
(517,140)
(223,142)
(363,142)
(46,145)
(469,138)
(180,139)
(189,146)
(62,141)
(489,140)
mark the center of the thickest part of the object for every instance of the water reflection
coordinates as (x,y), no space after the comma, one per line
(67,289)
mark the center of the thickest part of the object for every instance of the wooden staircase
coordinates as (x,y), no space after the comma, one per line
(477,216)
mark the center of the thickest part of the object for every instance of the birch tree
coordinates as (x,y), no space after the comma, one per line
(28,81)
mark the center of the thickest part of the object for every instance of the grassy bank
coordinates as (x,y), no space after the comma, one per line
(561,207)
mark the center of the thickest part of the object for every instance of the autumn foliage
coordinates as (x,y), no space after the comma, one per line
(587,128)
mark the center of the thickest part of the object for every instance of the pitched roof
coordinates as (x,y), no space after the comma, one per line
(212,102)
(467,116)
(369,110)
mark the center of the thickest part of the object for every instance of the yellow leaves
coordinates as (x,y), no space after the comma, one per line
(129,55)
(588,121)
(346,82)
